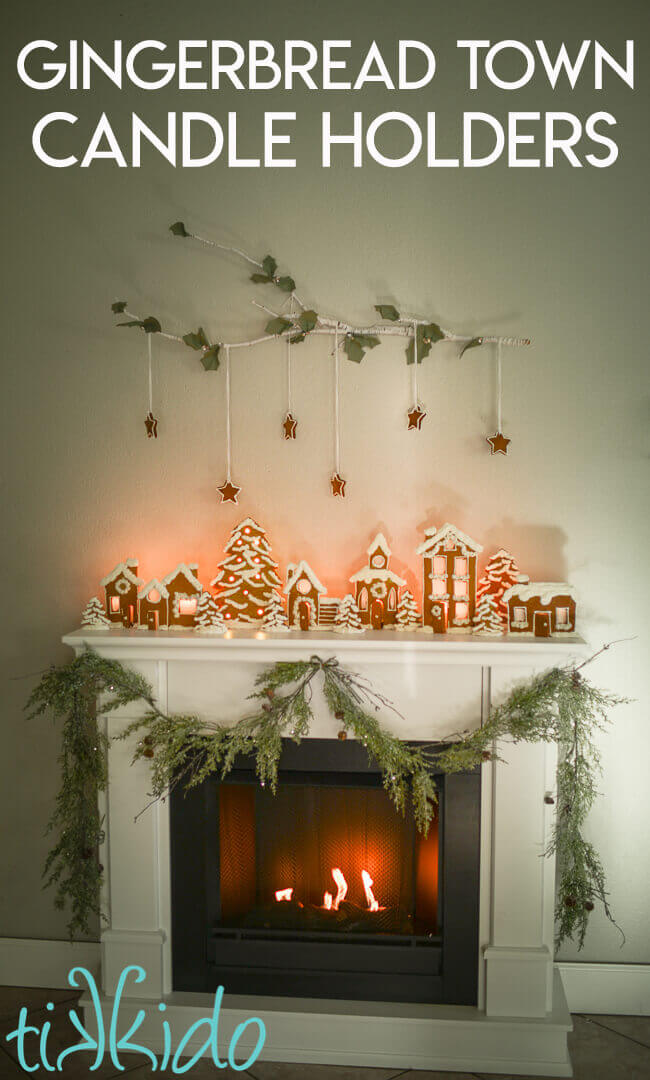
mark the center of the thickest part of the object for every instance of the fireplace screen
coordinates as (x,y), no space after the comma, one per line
(323,889)
(324,858)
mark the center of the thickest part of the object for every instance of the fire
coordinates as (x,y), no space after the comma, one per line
(327,901)
(284,894)
(341,887)
(373,905)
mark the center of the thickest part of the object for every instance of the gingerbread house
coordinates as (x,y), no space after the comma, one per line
(154,605)
(121,593)
(541,608)
(184,591)
(303,592)
(376,587)
(449,584)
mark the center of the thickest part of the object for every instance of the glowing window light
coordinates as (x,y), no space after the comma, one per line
(153,596)
(115,603)
(460,588)
(186,605)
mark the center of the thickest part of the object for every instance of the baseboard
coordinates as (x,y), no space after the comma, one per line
(622,989)
(28,962)
(617,989)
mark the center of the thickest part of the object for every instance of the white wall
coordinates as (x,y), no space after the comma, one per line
(559,255)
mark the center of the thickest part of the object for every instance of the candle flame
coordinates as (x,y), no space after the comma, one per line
(373,905)
(284,894)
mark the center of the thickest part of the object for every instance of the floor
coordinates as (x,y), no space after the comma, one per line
(602,1048)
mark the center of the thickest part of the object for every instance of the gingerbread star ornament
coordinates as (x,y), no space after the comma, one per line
(289,426)
(415,417)
(498,443)
(229,492)
(338,485)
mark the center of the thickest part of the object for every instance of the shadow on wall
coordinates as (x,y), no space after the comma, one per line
(537,549)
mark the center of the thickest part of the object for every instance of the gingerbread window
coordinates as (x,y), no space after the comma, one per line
(438,587)
(562,617)
(460,566)
(440,565)
(392,600)
(186,605)
(115,603)
(461,612)
(363,600)
(460,588)
(519,615)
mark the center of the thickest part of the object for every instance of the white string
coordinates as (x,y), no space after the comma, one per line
(149,336)
(499,386)
(337,416)
(228,447)
(289,372)
(416,401)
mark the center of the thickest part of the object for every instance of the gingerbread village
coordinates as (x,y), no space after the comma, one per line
(248,592)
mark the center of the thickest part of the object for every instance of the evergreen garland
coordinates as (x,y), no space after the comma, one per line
(558,705)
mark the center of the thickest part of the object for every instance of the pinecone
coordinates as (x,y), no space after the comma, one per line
(486,755)
(338,715)
(569,901)
(343,735)
(588,905)
(147,752)
(549,800)
(270,693)
(576,678)
(147,740)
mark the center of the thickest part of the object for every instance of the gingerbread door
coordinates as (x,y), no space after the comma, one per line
(542,624)
(152,619)
(304,615)
(439,617)
(377,615)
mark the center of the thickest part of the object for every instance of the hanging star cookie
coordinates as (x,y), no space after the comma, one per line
(289,426)
(415,417)
(338,485)
(229,492)
(151,425)
(498,443)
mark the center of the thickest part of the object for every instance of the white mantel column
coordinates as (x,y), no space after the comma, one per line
(519,957)
(136,855)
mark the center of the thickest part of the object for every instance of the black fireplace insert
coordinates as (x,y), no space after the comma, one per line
(323,889)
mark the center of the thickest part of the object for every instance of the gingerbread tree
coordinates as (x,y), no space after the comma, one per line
(347,619)
(487,619)
(93,614)
(500,573)
(208,616)
(274,618)
(408,616)
(247,576)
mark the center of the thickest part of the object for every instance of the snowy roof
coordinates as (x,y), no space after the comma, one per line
(545,590)
(435,536)
(296,571)
(368,574)
(187,570)
(123,569)
(153,584)
(380,542)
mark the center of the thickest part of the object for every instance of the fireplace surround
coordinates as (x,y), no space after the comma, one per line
(516,1023)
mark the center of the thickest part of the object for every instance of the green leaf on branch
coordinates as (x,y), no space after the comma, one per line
(178,229)
(427,336)
(355,346)
(387,311)
(210,358)
(470,345)
(118,307)
(297,339)
(287,284)
(261,279)
(308,320)
(278,326)
(269,266)
(196,340)
(150,325)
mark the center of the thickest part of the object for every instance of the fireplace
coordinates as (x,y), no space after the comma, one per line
(324,890)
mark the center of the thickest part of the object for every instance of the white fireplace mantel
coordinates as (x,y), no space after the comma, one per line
(439,685)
